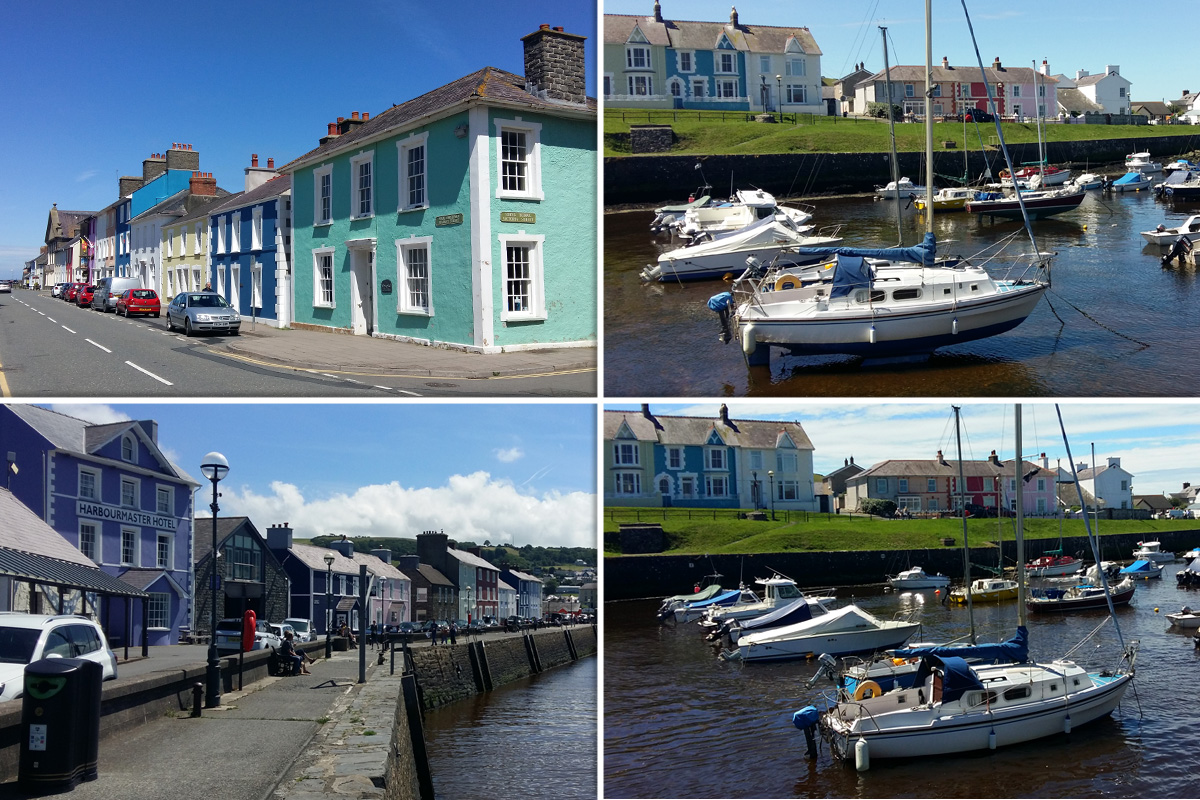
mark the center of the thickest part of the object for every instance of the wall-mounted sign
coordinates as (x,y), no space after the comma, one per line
(385,287)
(448,219)
(85,508)
(518,216)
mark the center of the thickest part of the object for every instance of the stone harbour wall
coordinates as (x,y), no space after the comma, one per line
(585,640)
(444,674)
(507,659)
(552,648)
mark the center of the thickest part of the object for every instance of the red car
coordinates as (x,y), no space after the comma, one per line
(138,301)
(72,289)
(83,297)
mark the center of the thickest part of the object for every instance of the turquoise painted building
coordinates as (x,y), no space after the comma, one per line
(465,217)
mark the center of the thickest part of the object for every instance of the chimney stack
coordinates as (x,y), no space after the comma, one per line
(994,459)
(203,184)
(279,537)
(554,67)
(996,63)
(733,17)
(152,167)
(256,176)
(725,415)
(270,163)
(128,184)
(945,62)
(183,157)
(1045,67)
(657,12)
(254,159)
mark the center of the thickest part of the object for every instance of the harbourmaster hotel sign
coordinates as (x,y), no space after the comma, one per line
(85,508)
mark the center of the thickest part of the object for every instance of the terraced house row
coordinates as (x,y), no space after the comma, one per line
(465,217)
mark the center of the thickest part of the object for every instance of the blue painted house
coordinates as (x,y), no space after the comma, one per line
(462,218)
(248,247)
(111,492)
(163,175)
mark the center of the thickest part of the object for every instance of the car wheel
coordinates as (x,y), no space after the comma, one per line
(157,314)
(235,331)
(187,327)
(170,324)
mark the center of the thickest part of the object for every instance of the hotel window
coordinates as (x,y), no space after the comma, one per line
(128,448)
(797,94)
(687,61)
(714,458)
(640,86)
(164,552)
(626,454)
(88,540)
(158,608)
(675,458)
(627,483)
(726,63)
(716,486)
(412,172)
(519,154)
(323,278)
(524,290)
(362,199)
(414,281)
(727,88)
(89,485)
(129,493)
(637,57)
(256,230)
(128,545)
(163,500)
(323,195)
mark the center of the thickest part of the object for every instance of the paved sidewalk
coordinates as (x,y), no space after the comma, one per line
(365,355)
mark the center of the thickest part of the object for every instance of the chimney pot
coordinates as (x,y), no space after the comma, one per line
(254,159)
(341,120)
(270,163)
(366,116)
(558,28)
(332,128)
(353,115)
(544,26)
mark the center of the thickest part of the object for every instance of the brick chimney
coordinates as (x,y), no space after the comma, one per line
(203,184)
(183,156)
(256,176)
(725,415)
(941,459)
(332,134)
(128,184)
(554,67)
(153,166)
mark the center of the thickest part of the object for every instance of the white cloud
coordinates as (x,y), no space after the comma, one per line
(508,454)
(86,175)
(96,413)
(468,508)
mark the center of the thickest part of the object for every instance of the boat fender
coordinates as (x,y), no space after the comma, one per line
(748,341)
(1067,724)
(862,755)
(954,326)
(865,687)
(872,334)
(992,739)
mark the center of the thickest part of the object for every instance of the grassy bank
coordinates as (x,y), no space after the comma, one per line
(822,532)
(708,133)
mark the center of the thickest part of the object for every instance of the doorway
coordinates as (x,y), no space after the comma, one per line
(362,298)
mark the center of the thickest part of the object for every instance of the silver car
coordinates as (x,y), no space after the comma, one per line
(202,311)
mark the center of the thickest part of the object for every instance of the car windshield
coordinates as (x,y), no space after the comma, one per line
(206,301)
(144,294)
(298,626)
(16,645)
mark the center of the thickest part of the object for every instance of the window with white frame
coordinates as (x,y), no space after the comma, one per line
(637,56)
(1041,484)
(163,553)
(163,500)
(756,459)
(196,239)
(129,492)
(687,486)
(727,88)
(786,461)
(524,288)
(764,64)
(221,222)
(89,540)
(519,156)
(714,458)
(414,277)
(716,485)
(641,86)
(787,490)
(1041,505)
(674,458)
(902,485)
(1016,90)
(323,296)
(1041,91)
(256,230)
(676,87)
(323,195)
(911,503)
(725,63)
(909,90)
(220,270)
(128,448)
(89,484)
(183,241)
(412,172)
(627,483)
(626,454)
(158,610)
(687,61)
(699,88)
(797,93)
(881,485)
(362,199)
(931,485)
(196,278)
(170,245)
(256,285)
(128,545)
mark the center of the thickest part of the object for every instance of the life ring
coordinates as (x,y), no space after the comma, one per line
(787,281)
(867,686)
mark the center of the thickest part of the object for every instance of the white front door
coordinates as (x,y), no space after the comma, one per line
(235,282)
(362,312)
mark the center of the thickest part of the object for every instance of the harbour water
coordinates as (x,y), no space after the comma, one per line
(1112,324)
(535,737)
(681,722)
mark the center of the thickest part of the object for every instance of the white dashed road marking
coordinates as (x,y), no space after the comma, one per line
(102,347)
(65,328)
(405,391)
(151,374)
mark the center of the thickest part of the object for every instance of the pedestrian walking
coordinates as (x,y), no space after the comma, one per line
(453,633)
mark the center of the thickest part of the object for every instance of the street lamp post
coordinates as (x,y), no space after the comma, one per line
(754,489)
(469,591)
(779,99)
(329,606)
(771,478)
(215,467)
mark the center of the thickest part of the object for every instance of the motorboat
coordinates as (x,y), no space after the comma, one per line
(799,610)
(1164,236)
(894,190)
(985,590)
(1185,618)
(1038,203)
(747,206)
(1140,162)
(1051,564)
(1179,164)
(1132,181)
(1152,551)
(1191,554)
(1046,176)
(841,631)
(1186,190)
(874,302)
(666,217)
(689,611)
(1142,569)
(916,578)
(1087,180)
(1189,575)
(1084,595)
(765,240)
(776,591)
(950,198)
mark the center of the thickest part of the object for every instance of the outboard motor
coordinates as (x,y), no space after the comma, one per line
(1182,246)
(806,719)
(723,304)
(827,666)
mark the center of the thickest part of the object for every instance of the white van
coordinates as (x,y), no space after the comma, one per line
(109,289)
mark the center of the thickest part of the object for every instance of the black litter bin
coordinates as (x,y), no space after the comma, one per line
(60,724)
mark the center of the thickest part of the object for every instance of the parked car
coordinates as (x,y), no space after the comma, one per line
(83,297)
(25,638)
(138,301)
(5,287)
(975,115)
(109,289)
(302,628)
(229,636)
(202,311)
(69,292)
(56,290)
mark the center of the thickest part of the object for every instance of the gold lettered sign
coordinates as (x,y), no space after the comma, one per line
(517,216)
(448,219)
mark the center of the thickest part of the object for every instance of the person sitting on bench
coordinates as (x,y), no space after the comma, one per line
(296,660)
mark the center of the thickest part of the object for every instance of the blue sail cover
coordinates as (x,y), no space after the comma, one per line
(795,611)
(1128,177)
(852,273)
(957,676)
(924,253)
(1141,565)
(1015,650)
(720,600)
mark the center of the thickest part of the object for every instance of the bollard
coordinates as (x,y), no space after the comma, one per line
(197,694)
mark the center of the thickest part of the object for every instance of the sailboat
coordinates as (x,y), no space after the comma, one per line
(877,302)
(953,706)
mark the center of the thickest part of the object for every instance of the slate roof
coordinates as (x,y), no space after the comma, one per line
(1155,502)
(753,434)
(25,531)
(1074,100)
(952,74)
(201,209)
(695,35)
(313,557)
(1089,473)
(1092,80)
(272,188)
(523,576)
(488,83)
(179,204)
(202,533)
(1155,108)
(432,575)
(471,559)
(922,468)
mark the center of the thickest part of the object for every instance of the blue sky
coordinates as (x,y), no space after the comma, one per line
(1158,442)
(91,89)
(1070,34)
(515,473)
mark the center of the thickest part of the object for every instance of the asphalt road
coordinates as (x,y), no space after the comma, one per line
(50,348)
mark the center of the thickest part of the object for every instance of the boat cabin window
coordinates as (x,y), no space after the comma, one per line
(786,590)
(974,287)
(1054,687)
(1075,681)
(763,213)
(981,698)
(906,294)
(1018,693)
(874,296)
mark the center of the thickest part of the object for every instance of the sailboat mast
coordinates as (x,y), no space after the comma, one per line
(887,74)
(1095,497)
(1041,148)
(1020,527)
(962,502)
(929,116)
